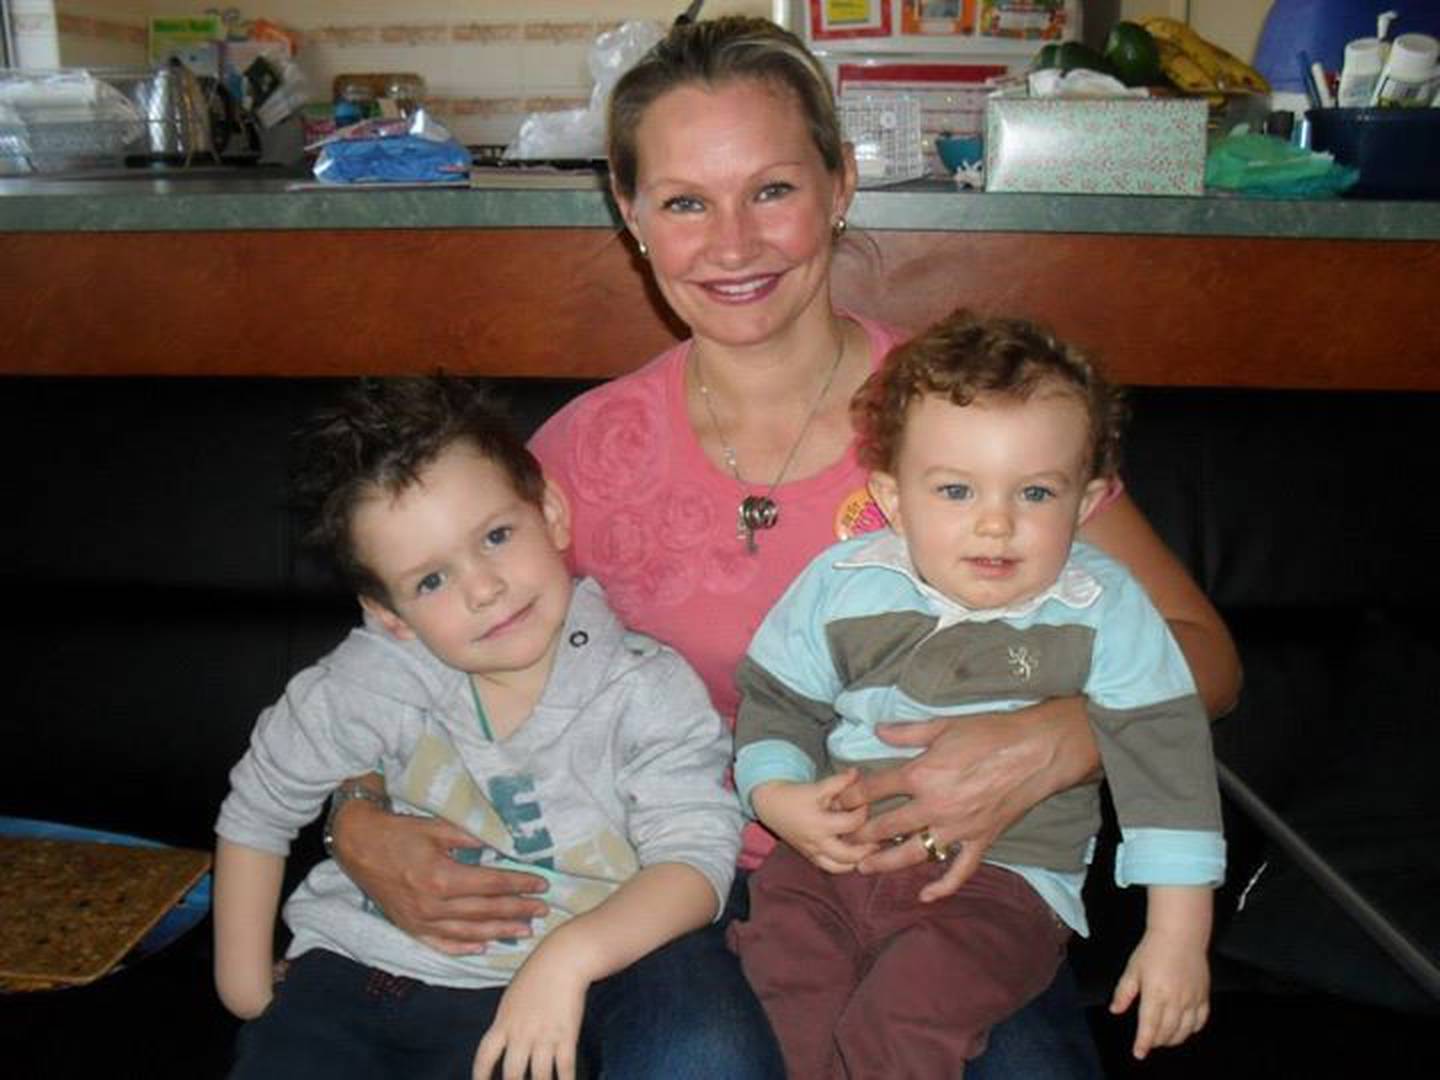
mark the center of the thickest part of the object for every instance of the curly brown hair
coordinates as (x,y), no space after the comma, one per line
(378,437)
(964,356)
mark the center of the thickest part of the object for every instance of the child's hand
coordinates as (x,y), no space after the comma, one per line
(806,816)
(537,1024)
(1170,973)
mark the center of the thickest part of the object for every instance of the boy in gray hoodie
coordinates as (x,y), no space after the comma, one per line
(491,690)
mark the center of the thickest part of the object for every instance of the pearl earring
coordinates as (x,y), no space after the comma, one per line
(839,227)
(644,250)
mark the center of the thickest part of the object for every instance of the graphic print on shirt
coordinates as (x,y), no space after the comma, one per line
(509,823)
(515,801)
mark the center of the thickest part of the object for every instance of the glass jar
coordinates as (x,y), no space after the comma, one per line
(406,92)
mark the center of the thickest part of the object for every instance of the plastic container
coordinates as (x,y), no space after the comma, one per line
(1396,150)
(885,131)
(1364,58)
(354,101)
(53,121)
(959,151)
(1407,80)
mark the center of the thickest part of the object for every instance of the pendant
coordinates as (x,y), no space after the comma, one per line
(756,512)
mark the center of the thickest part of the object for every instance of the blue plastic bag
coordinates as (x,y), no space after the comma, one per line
(413,151)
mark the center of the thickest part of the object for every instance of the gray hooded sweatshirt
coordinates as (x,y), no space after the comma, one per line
(620,766)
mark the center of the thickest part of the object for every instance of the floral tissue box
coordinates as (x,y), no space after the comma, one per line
(1124,146)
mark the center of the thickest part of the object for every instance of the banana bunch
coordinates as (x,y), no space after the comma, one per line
(1198,66)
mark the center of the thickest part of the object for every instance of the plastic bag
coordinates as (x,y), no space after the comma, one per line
(1273,168)
(580,133)
(1080,83)
(412,150)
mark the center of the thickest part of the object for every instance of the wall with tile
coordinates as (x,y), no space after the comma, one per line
(487,64)
(56,33)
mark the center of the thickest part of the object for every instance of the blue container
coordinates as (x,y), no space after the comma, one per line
(1322,27)
(957,151)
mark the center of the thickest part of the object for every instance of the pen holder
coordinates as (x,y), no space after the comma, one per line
(1396,150)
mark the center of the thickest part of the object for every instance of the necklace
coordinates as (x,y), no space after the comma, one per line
(758,512)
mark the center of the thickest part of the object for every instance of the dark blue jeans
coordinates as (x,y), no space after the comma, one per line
(1046,1040)
(684,1012)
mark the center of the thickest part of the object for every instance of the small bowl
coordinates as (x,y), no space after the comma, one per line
(957,151)
(1396,150)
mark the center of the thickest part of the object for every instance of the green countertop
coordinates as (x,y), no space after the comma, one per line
(269,202)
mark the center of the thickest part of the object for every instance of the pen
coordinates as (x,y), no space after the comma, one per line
(1307,79)
(1322,85)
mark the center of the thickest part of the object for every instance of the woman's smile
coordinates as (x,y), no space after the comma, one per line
(735,207)
(742,291)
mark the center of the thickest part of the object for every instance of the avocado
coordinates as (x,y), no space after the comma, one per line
(1133,55)
(1047,57)
(1076,54)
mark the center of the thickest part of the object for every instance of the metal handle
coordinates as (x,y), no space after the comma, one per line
(1387,935)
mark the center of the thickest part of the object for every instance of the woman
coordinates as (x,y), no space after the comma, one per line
(702,483)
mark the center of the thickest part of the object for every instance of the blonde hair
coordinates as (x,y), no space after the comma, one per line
(713,52)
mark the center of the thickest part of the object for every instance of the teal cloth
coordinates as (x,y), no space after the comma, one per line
(1270,167)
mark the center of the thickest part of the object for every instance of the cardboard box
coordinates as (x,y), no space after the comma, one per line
(1123,146)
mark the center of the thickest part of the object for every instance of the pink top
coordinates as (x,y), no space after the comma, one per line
(654,521)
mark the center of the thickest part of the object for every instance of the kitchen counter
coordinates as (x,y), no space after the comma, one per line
(249,200)
(242,276)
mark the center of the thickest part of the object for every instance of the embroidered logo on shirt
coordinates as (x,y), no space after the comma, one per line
(1022,661)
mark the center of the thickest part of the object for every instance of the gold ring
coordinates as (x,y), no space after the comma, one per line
(933,851)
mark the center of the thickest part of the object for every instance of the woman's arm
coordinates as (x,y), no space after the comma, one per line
(978,777)
(1123,533)
(247,897)
(403,863)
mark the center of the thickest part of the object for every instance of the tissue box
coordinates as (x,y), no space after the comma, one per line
(1125,146)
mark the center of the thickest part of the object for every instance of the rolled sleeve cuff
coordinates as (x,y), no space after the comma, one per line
(770,759)
(1170,857)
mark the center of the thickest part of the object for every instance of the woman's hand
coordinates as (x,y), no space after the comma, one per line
(403,863)
(807,817)
(537,1025)
(978,775)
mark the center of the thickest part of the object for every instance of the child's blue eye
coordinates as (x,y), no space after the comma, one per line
(499,535)
(955,492)
(429,583)
(1036,493)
